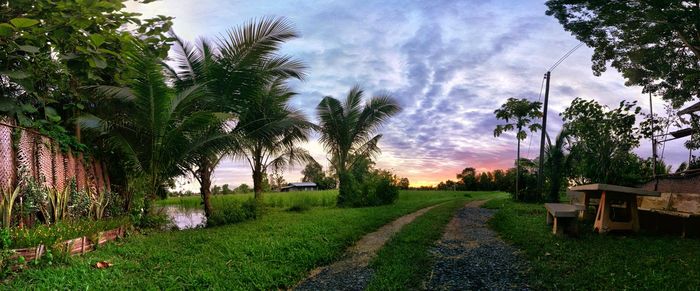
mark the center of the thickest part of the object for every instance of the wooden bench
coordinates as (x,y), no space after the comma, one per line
(563,217)
(681,205)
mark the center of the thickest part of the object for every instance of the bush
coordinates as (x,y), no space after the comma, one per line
(378,188)
(233,212)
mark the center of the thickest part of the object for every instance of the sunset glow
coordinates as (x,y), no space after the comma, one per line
(450,65)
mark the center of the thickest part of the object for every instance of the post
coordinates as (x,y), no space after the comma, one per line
(653,145)
(540,175)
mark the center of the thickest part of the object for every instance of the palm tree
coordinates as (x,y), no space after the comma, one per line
(246,59)
(556,162)
(155,130)
(518,114)
(348,131)
(271,131)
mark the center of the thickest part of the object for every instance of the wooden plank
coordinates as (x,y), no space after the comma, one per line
(561,210)
(615,189)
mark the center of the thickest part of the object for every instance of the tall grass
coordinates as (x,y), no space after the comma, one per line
(325,198)
(308,199)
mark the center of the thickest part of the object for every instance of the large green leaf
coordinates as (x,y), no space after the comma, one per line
(23,22)
(6,29)
(16,74)
(97,62)
(97,39)
(29,48)
(51,114)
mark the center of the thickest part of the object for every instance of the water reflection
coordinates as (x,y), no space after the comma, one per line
(184,218)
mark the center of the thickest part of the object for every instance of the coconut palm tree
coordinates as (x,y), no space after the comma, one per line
(270,131)
(348,132)
(155,129)
(244,61)
(518,115)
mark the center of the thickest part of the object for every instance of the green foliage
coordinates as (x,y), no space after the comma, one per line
(233,211)
(7,203)
(50,235)
(154,130)
(55,208)
(275,251)
(603,140)
(313,172)
(325,198)
(6,262)
(557,163)
(348,133)
(518,115)
(243,188)
(593,261)
(654,44)
(53,50)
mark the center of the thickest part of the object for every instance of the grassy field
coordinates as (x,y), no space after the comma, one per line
(273,252)
(592,261)
(325,198)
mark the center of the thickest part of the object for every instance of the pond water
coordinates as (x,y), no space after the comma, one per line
(185,218)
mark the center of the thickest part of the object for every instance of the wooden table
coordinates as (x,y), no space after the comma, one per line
(608,195)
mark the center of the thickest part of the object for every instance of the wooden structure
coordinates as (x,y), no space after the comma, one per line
(76,246)
(300,186)
(562,217)
(624,197)
(679,202)
(43,160)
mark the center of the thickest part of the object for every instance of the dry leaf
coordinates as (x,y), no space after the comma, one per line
(103,264)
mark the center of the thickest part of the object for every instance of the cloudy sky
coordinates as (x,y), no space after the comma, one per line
(449,63)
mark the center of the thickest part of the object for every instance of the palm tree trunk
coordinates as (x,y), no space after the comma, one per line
(257,185)
(204,172)
(517,174)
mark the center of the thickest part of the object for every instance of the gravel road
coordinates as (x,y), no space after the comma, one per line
(470,256)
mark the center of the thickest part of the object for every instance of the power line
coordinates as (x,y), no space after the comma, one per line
(558,62)
(530,136)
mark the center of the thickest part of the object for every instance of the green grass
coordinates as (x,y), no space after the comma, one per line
(592,261)
(324,198)
(412,244)
(273,252)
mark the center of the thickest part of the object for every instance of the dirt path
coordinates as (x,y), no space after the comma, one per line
(470,256)
(352,272)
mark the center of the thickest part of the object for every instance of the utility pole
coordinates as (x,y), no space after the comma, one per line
(540,174)
(653,145)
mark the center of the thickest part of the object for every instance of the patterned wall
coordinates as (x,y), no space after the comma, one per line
(45,162)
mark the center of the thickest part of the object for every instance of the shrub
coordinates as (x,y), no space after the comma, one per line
(377,188)
(61,231)
(233,212)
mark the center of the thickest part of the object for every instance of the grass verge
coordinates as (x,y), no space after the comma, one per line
(404,261)
(592,261)
(269,253)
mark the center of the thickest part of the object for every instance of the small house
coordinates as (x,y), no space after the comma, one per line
(299,186)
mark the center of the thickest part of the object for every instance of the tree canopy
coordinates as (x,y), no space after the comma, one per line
(654,44)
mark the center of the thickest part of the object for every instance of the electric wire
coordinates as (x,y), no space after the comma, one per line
(530,135)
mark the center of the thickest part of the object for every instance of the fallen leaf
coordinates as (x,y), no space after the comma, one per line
(103,265)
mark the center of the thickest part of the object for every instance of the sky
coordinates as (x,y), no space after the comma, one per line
(450,64)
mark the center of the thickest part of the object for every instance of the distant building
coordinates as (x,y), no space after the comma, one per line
(300,186)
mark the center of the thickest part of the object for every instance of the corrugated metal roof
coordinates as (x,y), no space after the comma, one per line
(690,109)
(302,184)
